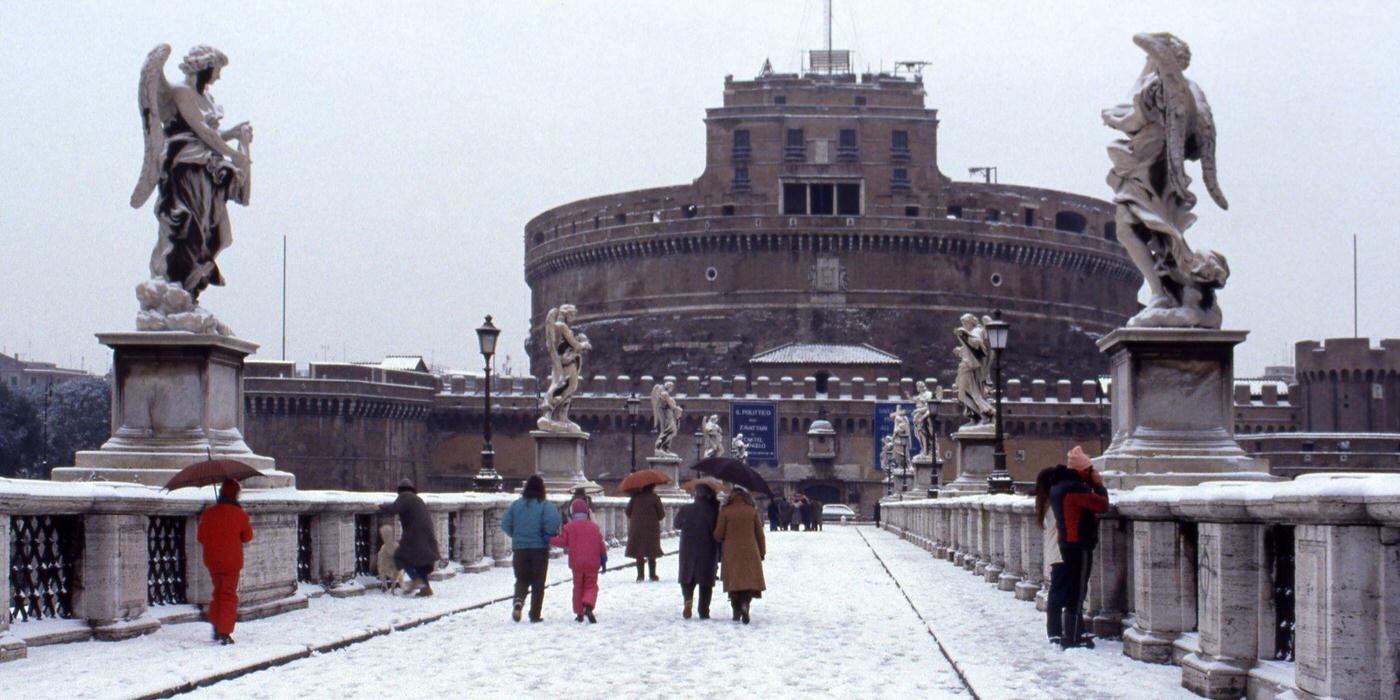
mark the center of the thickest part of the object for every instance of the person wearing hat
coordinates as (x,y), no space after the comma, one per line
(223,530)
(418,546)
(588,553)
(1077,499)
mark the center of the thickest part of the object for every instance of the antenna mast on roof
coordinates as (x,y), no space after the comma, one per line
(829,61)
(828,29)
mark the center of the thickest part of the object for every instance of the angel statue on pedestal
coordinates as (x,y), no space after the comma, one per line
(923,423)
(740,447)
(194,172)
(714,438)
(566,350)
(666,417)
(1167,123)
(974,359)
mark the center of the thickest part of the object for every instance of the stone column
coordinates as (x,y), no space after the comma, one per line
(995,516)
(1344,639)
(1108,583)
(982,522)
(1032,559)
(500,548)
(470,546)
(1165,590)
(268,583)
(115,560)
(333,553)
(11,646)
(1228,556)
(1014,567)
(441,568)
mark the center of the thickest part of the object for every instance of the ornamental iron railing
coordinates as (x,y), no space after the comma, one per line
(165,560)
(364,542)
(304,549)
(1278,542)
(44,554)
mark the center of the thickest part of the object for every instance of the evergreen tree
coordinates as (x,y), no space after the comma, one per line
(21,435)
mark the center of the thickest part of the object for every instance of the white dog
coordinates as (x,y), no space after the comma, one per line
(389,574)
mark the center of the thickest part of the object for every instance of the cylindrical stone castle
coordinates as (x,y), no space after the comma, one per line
(822,217)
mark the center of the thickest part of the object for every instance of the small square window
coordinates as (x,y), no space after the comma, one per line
(911,211)
(848,138)
(779,99)
(727,210)
(899,140)
(620,218)
(794,138)
(741,138)
(860,100)
(993,215)
(955,212)
(901,175)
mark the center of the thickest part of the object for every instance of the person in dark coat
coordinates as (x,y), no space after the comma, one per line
(418,546)
(1077,501)
(1058,595)
(530,521)
(773,512)
(223,530)
(784,514)
(877,514)
(644,516)
(817,515)
(740,532)
(699,552)
(795,517)
(804,514)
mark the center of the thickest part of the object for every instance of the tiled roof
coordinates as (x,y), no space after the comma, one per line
(824,354)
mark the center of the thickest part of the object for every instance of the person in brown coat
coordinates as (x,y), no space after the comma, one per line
(644,516)
(740,534)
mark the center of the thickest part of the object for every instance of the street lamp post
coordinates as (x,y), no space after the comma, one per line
(487,479)
(997,332)
(633,406)
(699,444)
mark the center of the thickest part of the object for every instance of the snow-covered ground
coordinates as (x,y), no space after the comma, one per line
(834,623)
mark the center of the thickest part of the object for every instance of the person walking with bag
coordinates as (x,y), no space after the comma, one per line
(1077,501)
(418,546)
(587,554)
(223,530)
(644,516)
(530,521)
(699,552)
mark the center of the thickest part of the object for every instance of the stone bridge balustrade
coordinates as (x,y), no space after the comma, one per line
(1254,589)
(97,574)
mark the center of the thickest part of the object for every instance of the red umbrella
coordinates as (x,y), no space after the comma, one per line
(636,481)
(209,473)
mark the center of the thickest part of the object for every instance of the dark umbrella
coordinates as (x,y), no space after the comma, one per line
(735,472)
(209,473)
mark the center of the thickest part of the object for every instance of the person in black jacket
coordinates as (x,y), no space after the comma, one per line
(418,546)
(773,512)
(699,554)
(1077,500)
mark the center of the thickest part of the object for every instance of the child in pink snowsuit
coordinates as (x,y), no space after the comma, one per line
(587,554)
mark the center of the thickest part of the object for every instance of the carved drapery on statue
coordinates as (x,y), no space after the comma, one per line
(1167,123)
(900,440)
(194,172)
(740,447)
(923,423)
(713,438)
(974,361)
(566,365)
(666,417)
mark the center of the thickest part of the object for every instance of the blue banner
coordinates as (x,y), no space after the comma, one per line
(758,422)
(884,425)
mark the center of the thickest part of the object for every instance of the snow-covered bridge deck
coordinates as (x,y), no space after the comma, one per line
(850,612)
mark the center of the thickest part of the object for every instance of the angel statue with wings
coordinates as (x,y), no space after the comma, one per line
(1167,123)
(713,438)
(923,422)
(666,417)
(194,172)
(566,350)
(974,358)
(740,447)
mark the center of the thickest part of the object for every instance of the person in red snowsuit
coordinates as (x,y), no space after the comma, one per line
(223,530)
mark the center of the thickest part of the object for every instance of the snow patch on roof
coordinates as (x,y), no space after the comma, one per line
(825,354)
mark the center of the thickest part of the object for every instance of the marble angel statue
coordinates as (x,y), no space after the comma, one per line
(740,447)
(1167,123)
(901,439)
(666,417)
(566,350)
(974,360)
(923,422)
(194,172)
(713,438)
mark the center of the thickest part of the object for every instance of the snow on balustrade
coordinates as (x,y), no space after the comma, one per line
(1249,587)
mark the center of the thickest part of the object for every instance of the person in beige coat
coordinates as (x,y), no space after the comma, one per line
(739,531)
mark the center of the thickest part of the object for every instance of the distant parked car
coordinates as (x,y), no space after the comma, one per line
(836,512)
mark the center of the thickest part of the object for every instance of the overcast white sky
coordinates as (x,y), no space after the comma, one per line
(401,147)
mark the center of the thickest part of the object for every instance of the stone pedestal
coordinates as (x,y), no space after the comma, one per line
(560,459)
(1173,417)
(177,399)
(926,470)
(670,466)
(975,449)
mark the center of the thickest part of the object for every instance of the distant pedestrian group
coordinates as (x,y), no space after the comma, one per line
(800,513)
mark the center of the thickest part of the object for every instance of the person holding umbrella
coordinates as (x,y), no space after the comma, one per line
(644,516)
(418,547)
(740,531)
(699,552)
(223,530)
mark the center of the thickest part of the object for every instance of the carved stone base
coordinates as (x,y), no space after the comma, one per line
(670,466)
(12,647)
(560,459)
(1214,678)
(1173,408)
(1025,590)
(177,399)
(118,630)
(975,448)
(1145,646)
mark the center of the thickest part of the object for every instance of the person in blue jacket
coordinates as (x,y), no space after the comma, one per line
(530,521)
